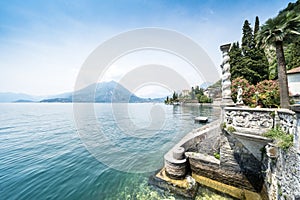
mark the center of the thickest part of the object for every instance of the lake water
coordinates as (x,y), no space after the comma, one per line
(47,152)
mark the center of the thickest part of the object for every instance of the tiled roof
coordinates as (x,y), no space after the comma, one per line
(295,70)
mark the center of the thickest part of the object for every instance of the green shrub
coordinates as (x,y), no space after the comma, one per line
(231,129)
(292,102)
(203,99)
(268,93)
(282,139)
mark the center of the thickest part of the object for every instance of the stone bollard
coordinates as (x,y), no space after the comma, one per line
(176,164)
(178,153)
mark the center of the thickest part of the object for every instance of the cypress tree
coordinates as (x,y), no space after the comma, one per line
(247,39)
(256,26)
(235,54)
(248,61)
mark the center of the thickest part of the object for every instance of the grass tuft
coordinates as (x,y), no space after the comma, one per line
(282,139)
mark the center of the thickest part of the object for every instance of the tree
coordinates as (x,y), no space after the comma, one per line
(197,90)
(292,45)
(256,26)
(175,97)
(254,60)
(292,54)
(204,99)
(193,93)
(235,54)
(247,39)
(274,32)
(248,61)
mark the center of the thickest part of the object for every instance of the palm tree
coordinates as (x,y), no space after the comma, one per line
(274,32)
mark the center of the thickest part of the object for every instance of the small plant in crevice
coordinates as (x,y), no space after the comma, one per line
(263,150)
(279,189)
(217,155)
(272,114)
(231,129)
(281,138)
(273,161)
(223,125)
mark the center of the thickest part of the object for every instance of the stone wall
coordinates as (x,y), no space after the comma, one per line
(279,169)
(235,157)
(282,179)
(236,167)
(178,167)
(288,168)
(243,162)
(282,175)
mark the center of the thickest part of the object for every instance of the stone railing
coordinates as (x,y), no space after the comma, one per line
(251,120)
(259,120)
(175,161)
(287,121)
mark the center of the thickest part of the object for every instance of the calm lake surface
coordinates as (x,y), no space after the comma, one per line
(42,156)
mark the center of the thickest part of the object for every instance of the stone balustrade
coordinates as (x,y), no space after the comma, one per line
(259,120)
(175,161)
(287,121)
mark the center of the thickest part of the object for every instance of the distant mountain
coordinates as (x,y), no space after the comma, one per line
(6,97)
(13,97)
(23,101)
(104,92)
(61,100)
(60,96)
(217,84)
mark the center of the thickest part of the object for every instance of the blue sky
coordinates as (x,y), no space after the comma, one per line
(44,43)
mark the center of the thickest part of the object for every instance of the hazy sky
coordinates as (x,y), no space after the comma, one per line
(43,44)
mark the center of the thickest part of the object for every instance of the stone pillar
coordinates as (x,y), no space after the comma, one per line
(226,82)
(176,164)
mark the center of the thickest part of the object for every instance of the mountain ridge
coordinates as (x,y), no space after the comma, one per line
(103,92)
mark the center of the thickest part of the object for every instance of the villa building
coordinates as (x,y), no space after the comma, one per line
(293,76)
(185,93)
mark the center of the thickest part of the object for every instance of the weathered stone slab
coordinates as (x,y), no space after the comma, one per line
(186,187)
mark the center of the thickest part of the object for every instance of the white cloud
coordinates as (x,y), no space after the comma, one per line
(153,91)
(128,64)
